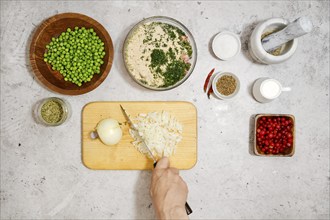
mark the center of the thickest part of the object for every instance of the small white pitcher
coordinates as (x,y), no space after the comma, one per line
(266,89)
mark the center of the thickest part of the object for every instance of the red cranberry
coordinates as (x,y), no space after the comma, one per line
(274,134)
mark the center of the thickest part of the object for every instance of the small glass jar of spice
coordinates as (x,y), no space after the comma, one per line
(53,111)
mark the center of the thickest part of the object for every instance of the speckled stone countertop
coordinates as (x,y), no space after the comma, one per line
(42,176)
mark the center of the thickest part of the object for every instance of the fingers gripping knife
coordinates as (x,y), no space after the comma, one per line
(187,207)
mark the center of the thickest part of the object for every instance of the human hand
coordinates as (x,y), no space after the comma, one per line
(168,191)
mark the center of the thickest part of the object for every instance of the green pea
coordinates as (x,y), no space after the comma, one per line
(77,54)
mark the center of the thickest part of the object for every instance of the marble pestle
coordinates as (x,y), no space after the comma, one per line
(297,28)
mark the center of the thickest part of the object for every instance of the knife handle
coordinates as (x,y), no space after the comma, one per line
(187,207)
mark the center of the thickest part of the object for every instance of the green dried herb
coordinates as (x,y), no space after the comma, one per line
(52,112)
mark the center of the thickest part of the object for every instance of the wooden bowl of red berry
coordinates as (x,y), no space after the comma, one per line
(274,135)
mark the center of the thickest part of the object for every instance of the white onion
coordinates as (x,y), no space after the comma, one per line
(109,131)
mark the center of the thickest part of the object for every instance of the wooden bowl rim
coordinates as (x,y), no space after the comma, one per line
(36,35)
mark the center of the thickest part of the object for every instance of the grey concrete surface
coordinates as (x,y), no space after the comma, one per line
(42,176)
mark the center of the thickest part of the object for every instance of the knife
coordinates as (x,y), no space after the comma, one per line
(187,207)
(136,129)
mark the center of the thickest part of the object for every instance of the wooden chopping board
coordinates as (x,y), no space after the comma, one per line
(124,156)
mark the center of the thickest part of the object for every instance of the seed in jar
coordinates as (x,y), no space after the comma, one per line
(226,85)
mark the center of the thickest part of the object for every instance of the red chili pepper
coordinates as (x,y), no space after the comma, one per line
(209,92)
(207,80)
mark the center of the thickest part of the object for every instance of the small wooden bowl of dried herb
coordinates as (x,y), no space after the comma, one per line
(225,85)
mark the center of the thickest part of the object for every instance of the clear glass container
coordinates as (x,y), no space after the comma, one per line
(66,111)
(172,22)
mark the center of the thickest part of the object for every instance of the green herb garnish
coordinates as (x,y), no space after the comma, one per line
(186,45)
(158,57)
(171,54)
(175,71)
(76,54)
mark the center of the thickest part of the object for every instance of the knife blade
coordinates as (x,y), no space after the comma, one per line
(137,130)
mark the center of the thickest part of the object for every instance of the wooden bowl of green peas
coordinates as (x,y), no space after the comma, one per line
(71,53)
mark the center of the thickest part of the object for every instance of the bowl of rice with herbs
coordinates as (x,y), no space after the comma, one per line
(159,53)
